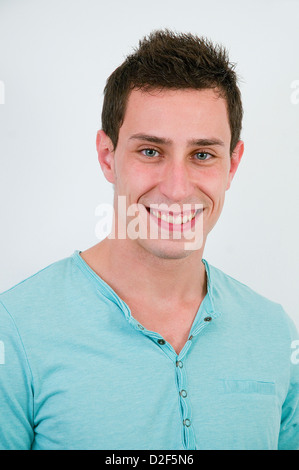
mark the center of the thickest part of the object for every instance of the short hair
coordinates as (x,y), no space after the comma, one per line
(169,60)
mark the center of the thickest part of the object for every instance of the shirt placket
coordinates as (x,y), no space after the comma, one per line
(205,316)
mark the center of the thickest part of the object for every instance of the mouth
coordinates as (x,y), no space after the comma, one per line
(174,220)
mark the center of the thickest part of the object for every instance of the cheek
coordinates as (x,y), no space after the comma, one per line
(134,179)
(213,182)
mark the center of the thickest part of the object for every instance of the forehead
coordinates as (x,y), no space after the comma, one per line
(176,114)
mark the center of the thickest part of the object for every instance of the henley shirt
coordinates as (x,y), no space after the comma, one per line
(77,371)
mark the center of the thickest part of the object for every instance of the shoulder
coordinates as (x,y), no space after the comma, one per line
(234,298)
(45,274)
(41,289)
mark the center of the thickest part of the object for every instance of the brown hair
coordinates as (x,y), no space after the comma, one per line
(171,60)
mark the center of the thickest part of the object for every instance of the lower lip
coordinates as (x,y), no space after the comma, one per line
(176,227)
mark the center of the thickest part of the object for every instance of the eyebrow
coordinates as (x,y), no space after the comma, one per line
(161,140)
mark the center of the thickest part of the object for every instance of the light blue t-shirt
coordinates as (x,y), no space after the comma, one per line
(77,371)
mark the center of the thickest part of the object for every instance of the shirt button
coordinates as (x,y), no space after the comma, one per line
(208,319)
(161,341)
(179,364)
(187,423)
(183,393)
(140,327)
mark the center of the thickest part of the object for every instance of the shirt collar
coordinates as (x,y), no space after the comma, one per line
(206,308)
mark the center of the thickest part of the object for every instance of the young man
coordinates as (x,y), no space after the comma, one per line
(137,342)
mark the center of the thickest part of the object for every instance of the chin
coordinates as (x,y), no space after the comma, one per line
(169,250)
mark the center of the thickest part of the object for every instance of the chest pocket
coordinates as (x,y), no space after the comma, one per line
(249,386)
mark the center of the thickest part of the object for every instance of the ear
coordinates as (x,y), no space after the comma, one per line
(106,155)
(235,161)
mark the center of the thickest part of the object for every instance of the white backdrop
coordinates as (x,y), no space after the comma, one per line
(55,57)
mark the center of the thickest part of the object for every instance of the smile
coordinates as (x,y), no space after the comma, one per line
(172,218)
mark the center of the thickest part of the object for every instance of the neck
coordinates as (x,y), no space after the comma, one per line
(134,272)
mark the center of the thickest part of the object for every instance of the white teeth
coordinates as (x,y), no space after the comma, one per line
(179,219)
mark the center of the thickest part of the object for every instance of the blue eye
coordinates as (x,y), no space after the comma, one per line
(149,152)
(203,156)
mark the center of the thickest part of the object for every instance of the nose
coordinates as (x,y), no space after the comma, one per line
(175,183)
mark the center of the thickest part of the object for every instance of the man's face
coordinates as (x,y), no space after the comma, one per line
(173,149)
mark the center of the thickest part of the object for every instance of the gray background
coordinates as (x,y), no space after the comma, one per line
(55,57)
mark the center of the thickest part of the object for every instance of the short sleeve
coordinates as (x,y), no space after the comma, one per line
(16,396)
(289,430)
